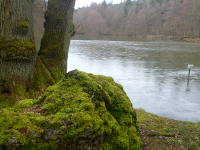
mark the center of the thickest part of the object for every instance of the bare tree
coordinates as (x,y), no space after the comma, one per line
(175,19)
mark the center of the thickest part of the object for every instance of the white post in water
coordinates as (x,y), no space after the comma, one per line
(190,66)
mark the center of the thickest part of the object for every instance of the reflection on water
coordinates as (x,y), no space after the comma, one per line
(154,74)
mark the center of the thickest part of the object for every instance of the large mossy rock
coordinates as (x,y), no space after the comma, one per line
(83,111)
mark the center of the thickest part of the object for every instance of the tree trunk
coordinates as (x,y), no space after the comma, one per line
(17,48)
(39,9)
(21,70)
(55,43)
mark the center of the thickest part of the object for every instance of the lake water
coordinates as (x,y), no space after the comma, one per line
(154,74)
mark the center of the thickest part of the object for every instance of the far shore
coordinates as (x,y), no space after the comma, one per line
(140,39)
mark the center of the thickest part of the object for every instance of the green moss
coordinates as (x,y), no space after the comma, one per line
(5,101)
(25,103)
(23,50)
(82,111)
(167,134)
(20,90)
(2,38)
(42,77)
(22,27)
(23,24)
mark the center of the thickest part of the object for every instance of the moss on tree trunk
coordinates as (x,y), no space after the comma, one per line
(20,66)
(58,30)
(17,47)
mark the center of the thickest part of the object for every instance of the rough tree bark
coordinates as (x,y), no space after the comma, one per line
(17,49)
(39,9)
(52,58)
(22,67)
(58,31)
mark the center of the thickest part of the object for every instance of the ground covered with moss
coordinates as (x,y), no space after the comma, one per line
(166,134)
(83,111)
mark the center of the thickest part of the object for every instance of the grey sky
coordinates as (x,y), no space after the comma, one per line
(81,3)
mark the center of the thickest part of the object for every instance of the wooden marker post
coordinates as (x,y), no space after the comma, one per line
(190,66)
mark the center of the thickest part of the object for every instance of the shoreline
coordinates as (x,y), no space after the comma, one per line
(167,134)
(186,40)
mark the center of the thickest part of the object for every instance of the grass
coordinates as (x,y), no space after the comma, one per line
(160,133)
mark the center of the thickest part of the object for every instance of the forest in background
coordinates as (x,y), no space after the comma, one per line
(141,19)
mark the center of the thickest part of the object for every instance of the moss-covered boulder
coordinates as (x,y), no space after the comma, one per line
(83,111)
